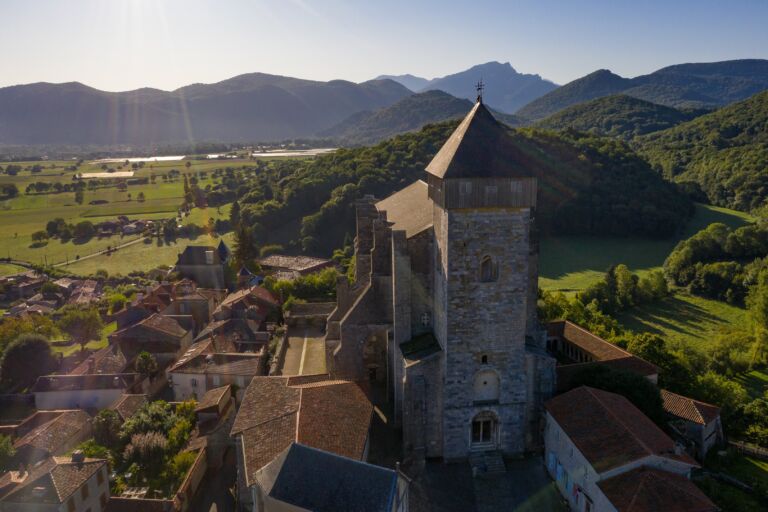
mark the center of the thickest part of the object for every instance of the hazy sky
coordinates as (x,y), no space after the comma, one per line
(126,44)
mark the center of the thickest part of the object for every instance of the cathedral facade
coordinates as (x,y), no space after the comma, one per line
(442,313)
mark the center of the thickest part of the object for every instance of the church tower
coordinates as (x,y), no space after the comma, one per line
(484,294)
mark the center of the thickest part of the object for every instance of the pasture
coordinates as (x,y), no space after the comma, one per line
(571,263)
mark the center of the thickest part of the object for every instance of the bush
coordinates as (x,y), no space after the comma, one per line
(26,359)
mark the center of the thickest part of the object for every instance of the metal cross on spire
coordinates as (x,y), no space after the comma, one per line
(480,86)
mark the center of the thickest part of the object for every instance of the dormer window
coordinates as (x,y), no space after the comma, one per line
(489,270)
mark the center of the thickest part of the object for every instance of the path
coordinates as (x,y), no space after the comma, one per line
(305,354)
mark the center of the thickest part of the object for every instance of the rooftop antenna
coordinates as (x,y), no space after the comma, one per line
(480,86)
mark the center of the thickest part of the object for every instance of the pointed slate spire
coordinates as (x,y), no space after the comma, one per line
(480,147)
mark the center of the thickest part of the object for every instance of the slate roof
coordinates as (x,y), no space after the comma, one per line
(297,263)
(651,490)
(221,364)
(128,405)
(689,409)
(334,416)
(608,430)
(480,147)
(51,482)
(53,435)
(156,327)
(409,209)
(316,480)
(195,255)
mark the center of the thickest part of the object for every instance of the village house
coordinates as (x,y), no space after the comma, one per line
(577,349)
(254,303)
(333,416)
(57,484)
(696,421)
(108,360)
(160,335)
(89,391)
(593,437)
(203,265)
(128,404)
(215,414)
(201,369)
(49,433)
(305,478)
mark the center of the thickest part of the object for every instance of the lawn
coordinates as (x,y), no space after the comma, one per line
(683,318)
(68,350)
(571,263)
(755,382)
(8,268)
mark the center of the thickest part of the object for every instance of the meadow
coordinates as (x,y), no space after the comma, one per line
(571,263)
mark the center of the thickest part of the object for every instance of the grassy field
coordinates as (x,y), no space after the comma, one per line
(571,263)
(68,350)
(755,382)
(7,269)
(684,318)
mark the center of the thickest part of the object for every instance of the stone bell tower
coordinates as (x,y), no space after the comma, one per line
(484,286)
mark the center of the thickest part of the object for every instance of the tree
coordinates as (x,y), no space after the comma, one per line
(146,364)
(757,303)
(79,196)
(27,358)
(12,328)
(106,428)
(39,236)
(140,197)
(6,451)
(82,325)
(718,390)
(84,230)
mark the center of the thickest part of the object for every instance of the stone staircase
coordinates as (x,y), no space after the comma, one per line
(487,463)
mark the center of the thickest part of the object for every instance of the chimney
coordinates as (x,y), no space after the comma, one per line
(78,456)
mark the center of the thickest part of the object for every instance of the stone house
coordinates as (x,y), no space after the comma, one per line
(160,335)
(57,484)
(215,413)
(203,265)
(597,445)
(333,416)
(442,311)
(304,478)
(90,391)
(696,421)
(128,405)
(201,369)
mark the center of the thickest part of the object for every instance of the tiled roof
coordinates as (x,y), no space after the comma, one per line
(213,397)
(312,479)
(53,481)
(227,332)
(164,324)
(153,328)
(651,490)
(84,382)
(297,263)
(688,408)
(410,209)
(53,435)
(107,360)
(334,416)
(600,349)
(222,364)
(608,430)
(128,405)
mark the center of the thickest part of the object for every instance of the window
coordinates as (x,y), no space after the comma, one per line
(465,188)
(217,380)
(483,429)
(425,320)
(194,383)
(84,491)
(491,194)
(488,270)
(484,359)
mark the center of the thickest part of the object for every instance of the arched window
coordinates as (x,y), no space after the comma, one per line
(486,388)
(488,270)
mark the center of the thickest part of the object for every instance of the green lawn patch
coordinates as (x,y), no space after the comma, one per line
(68,350)
(9,268)
(684,318)
(571,263)
(755,382)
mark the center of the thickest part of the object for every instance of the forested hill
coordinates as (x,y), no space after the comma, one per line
(408,114)
(693,86)
(249,108)
(587,185)
(725,153)
(616,116)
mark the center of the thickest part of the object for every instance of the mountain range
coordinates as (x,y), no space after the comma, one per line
(702,85)
(506,90)
(247,108)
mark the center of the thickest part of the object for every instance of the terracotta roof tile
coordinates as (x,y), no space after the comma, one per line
(688,408)
(213,397)
(608,430)
(651,490)
(128,405)
(52,435)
